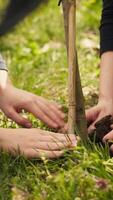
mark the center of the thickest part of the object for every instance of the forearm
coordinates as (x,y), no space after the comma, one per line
(106,76)
(3,74)
(106,51)
(106,27)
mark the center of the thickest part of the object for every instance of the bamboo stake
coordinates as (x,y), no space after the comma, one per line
(76,100)
(69,20)
(80,112)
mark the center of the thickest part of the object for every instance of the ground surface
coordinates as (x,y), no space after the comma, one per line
(38,61)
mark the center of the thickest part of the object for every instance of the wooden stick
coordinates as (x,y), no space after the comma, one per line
(76,100)
(80,111)
(69,20)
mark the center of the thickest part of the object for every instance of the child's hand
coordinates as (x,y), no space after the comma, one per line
(103,108)
(13,100)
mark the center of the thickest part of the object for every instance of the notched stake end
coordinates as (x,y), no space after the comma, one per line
(60,1)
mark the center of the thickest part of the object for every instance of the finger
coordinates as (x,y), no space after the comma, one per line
(51,113)
(111,150)
(57,111)
(108,137)
(38,113)
(91,114)
(53,146)
(52,103)
(32,153)
(56,137)
(45,136)
(12,114)
(64,130)
(44,113)
(60,107)
(38,153)
(92,126)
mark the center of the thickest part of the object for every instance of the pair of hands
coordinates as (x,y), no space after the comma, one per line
(13,100)
(31,142)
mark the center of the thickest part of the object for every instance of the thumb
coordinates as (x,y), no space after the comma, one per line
(92,114)
(92,126)
(12,114)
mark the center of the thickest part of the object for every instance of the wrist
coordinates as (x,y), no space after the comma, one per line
(105,97)
(3,89)
(106,102)
(3,65)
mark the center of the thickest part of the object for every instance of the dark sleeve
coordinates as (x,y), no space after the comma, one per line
(106,27)
(15,12)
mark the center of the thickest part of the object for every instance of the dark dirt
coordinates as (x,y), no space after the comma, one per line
(102,127)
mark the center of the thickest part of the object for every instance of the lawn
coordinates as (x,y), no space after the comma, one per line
(36,55)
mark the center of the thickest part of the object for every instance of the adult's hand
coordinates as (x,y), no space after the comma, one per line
(35,143)
(94,114)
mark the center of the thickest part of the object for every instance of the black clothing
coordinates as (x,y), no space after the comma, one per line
(106,28)
(16,11)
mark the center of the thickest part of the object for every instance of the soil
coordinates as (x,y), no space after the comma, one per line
(102,127)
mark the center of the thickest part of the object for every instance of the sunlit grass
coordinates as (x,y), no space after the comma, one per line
(36,54)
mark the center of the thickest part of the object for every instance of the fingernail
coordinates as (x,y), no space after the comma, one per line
(28,125)
(55,126)
(105,140)
(59,106)
(63,115)
(61,124)
(111,126)
(74,143)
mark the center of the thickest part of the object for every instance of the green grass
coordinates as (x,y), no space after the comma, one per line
(36,55)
